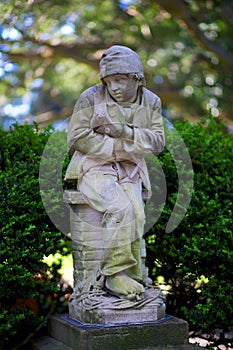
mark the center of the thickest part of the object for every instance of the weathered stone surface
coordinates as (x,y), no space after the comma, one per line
(48,343)
(87,251)
(148,313)
(167,333)
(114,125)
(73,197)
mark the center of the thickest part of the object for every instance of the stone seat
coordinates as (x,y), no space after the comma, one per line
(87,237)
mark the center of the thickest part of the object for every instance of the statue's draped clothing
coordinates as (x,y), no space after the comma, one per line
(111,171)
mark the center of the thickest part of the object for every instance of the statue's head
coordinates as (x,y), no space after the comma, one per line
(121,60)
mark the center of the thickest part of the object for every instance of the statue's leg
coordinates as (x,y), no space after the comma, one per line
(104,193)
(134,192)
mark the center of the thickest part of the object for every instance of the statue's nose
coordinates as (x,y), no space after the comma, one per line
(114,86)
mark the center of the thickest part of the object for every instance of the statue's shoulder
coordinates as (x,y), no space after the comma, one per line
(149,95)
(88,97)
(151,99)
(91,92)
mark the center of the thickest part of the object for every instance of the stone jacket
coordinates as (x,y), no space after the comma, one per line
(90,148)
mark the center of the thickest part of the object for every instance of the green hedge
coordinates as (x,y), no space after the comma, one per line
(28,290)
(195,259)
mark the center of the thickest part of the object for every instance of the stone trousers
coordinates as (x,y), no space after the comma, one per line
(120,201)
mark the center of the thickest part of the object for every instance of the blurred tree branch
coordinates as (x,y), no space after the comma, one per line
(84,53)
(50,54)
(180,10)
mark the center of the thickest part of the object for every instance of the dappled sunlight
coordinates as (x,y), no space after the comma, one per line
(66,270)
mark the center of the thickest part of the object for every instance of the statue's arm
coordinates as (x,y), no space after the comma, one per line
(147,140)
(81,137)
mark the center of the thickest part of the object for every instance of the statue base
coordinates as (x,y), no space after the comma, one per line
(111,317)
(102,308)
(168,333)
(139,336)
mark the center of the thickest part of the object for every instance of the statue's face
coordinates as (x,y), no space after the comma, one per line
(122,88)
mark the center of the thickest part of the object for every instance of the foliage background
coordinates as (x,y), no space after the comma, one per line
(49,53)
(29,289)
(193,260)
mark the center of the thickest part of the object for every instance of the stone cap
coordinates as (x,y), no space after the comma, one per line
(73,197)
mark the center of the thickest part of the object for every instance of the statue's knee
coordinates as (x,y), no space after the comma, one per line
(122,215)
(127,214)
(130,210)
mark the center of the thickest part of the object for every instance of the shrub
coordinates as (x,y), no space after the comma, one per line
(195,259)
(27,288)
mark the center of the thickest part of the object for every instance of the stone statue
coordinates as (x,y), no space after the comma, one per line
(113,126)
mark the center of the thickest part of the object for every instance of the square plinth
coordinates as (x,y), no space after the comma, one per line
(168,331)
(148,313)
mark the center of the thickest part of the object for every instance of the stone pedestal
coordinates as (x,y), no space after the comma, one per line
(168,331)
(89,304)
(87,240)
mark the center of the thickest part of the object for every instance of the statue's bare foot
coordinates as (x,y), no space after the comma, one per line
(122,285)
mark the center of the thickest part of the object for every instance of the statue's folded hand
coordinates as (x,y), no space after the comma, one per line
(103,124)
